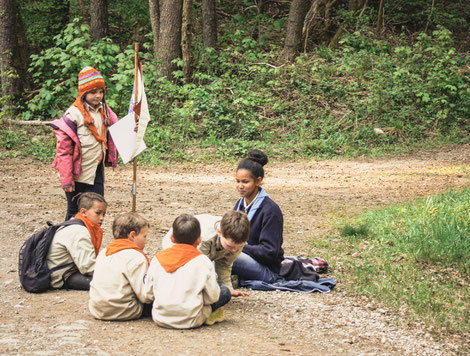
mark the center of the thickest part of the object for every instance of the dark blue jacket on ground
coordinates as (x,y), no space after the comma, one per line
(265,241)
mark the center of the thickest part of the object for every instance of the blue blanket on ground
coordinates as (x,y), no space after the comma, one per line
(324,285)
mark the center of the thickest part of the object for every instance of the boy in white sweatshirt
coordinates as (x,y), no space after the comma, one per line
(184,282)
(118,291)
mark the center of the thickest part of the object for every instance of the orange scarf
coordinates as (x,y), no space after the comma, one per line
(124,244)
(88,120)
(176,256)
(96,232)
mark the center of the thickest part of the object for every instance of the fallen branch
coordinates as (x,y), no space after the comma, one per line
(268,64)
(27,123)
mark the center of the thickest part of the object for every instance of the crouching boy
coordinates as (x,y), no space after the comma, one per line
(118,291)
(184,282)
(73,250)
(225,247)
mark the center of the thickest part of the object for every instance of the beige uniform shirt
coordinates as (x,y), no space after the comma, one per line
(118,291)
(71,244)
(93,151)
(183,298)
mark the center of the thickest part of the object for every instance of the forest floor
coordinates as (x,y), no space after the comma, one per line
(311,195)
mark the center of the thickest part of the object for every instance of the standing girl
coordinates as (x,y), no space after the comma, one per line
(262,256)
(83,144)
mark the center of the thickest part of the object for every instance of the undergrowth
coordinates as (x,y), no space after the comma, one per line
(369,97)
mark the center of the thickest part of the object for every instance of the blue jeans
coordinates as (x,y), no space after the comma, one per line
(247,268)
(224,298)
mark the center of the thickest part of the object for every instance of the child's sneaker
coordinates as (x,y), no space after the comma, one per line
(216,316)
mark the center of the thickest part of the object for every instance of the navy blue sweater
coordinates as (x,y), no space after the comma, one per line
(265,241)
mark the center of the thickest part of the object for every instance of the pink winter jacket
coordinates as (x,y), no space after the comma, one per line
(68,159)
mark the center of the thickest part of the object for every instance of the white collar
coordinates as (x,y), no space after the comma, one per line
(245,207)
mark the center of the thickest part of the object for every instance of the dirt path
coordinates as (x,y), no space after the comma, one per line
(276,323)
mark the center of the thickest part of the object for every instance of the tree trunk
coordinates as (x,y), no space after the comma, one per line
(186,30)
(83,11)
(98,19)
(169,39)
(380,17)
(209,24)
(317,21)
(154,11)
(259,10)
(10,72)
(297,12)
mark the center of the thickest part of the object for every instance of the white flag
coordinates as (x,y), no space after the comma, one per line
(129,143)
(141,109)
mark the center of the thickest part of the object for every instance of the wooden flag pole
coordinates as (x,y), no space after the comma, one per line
(134,180)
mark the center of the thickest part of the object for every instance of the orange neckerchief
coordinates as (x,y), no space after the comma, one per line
(123,244)
(176,256)
(88,120)
(96,232)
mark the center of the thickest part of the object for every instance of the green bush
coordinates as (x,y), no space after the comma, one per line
(326,104)
(55,70)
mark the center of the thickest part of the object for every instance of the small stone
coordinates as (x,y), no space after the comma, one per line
(378,131)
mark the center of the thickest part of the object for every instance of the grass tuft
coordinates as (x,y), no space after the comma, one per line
(414,257)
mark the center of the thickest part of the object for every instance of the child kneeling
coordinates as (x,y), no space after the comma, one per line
(73,250)
(118,290)
(184,282)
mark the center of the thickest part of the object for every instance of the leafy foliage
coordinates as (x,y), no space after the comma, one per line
(371,95)
(73,50)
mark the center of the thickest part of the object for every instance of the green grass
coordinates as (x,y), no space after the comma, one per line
(413,257)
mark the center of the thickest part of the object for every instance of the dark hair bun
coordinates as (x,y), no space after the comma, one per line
(258,156)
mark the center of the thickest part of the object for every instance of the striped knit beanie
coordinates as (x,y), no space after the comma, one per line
(88,79)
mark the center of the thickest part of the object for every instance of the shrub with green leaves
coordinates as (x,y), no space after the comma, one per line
(326,104)
(55,70)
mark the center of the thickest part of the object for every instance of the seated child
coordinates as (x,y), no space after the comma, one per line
(117,291)
(74,248)
(184,282)
(225,247)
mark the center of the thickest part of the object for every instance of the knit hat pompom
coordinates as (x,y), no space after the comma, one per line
(88,79)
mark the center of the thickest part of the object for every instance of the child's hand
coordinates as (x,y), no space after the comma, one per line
(69,189)
(237,293)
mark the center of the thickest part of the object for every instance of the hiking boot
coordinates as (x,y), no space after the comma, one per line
(216,316)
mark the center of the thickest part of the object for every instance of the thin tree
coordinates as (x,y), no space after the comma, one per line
(380,17)
(298,10)
(10,69)
(98,19)
(169,39)
(154,12)
(209,24)
(83,11)
(186,40)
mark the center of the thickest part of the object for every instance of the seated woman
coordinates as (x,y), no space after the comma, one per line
(262,256)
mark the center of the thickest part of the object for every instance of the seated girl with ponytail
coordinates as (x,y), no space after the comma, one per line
(261,257)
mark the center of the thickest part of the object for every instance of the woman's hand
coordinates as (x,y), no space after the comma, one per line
(237,293)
